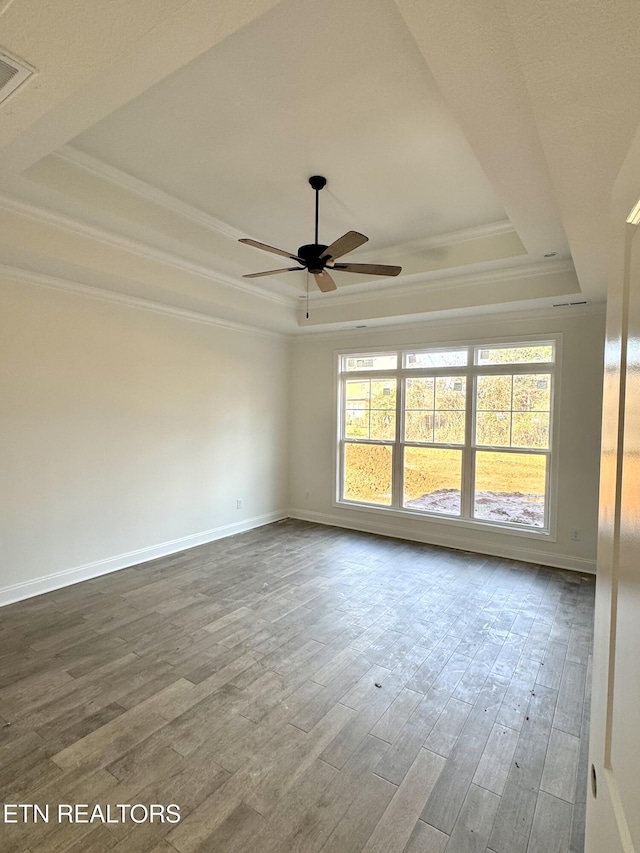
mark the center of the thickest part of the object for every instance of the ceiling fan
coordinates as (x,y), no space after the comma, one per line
(318,258)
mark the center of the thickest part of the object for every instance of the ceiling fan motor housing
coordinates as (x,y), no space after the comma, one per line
(311,255)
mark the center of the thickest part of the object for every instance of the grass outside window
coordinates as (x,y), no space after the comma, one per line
(464,432)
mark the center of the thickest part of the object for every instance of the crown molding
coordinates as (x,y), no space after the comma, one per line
(165,200)
(105,170)
(520,315)
(76,288)
(127,244)
(415,283)
(147,191)
(418,283)
(463,235)
(302,334)
(448,238)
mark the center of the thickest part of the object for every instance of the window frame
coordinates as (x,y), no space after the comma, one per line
(469,449)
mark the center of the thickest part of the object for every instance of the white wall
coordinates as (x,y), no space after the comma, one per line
(125,434)
(313,435)
(122,430)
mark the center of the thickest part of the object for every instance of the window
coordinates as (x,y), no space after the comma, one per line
(463,433)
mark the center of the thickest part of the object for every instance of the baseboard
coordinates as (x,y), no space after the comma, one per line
(57,580)
(508,551)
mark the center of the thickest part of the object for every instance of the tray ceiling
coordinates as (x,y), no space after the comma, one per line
(135,170)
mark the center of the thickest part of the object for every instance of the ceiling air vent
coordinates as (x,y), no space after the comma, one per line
(13,73)
(567,304)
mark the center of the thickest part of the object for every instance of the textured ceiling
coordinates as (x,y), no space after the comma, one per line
(466,140)
(335,88)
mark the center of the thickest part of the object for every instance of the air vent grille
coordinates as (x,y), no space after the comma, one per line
(567,304)
(7,73)
(13,73)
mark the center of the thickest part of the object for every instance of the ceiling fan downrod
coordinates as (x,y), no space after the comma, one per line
(317,183)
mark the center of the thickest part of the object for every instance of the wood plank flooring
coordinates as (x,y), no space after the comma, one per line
(303,688)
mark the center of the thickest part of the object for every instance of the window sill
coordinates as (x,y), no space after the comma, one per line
(450,521)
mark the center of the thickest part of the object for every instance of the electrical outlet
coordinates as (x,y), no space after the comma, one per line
(239,503)
(575,534)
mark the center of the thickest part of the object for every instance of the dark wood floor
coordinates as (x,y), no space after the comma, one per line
(304,688)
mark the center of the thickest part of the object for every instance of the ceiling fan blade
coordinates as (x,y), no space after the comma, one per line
(271,249)
(271,272)
(368,269)
(347,243)
(324,281)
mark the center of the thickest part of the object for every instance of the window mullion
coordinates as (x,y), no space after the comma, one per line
(467,454)
(397,485)
(511,416)
(341,435)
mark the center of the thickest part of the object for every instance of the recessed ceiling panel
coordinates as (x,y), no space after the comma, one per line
(333,88)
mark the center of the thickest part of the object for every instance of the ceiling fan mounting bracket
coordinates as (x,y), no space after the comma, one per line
(317,182)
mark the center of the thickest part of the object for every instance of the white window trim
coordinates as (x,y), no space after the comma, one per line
(549,533)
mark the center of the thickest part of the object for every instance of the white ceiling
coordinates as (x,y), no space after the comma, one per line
(466,140)
(334,88)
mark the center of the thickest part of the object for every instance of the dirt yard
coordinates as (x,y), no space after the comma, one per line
(513,508)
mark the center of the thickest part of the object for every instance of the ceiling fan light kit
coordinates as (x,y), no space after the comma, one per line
(317,258)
